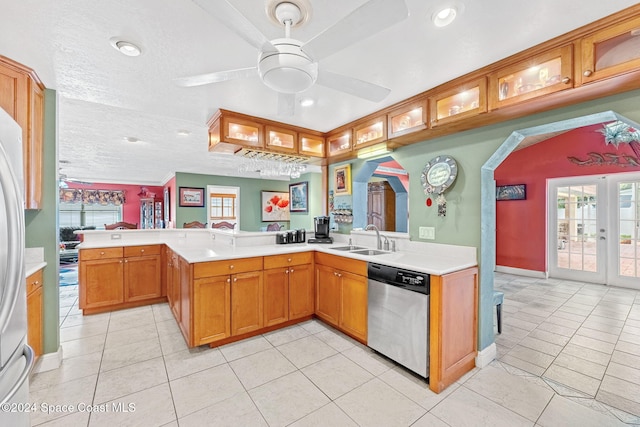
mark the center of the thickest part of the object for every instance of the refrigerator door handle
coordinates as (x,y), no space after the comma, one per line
(15,238)
(28,353)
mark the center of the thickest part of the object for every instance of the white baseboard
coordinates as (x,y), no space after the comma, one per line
(486,356)
(521,272)
(48,361)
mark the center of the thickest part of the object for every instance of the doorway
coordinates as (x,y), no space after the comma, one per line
(593,232)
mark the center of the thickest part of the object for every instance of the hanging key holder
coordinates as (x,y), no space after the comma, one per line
(437,176)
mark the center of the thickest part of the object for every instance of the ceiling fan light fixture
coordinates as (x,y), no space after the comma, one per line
(289,70)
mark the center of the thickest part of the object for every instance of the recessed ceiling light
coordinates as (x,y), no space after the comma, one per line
(125,47)
(131,139)
(445,15)
(184,132)
(307,102)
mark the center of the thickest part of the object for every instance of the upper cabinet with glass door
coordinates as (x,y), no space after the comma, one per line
(407,119)
(460,102)
(339,143)
(282,140)
(311,145)
(610,52)
(542,74)
(370,132)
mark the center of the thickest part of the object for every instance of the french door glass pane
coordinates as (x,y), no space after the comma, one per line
(629,239)
(577,229)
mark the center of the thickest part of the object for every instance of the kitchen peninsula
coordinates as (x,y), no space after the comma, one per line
(224,286)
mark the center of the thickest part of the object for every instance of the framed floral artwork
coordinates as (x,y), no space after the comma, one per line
(274,206)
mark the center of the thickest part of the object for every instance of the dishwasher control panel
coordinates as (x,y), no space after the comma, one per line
(410,280)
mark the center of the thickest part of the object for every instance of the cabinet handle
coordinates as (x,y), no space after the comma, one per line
(291,271)
(142,250)
(286,272)
(120,261)
(235,279)
(339,275)
(288,259)
(566,80)
(228,280)
(101,253)
(231,267)
(587,73)
(335,273)
(126,260)
(36,283)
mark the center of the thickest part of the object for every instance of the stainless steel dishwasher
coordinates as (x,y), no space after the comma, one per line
(398,316)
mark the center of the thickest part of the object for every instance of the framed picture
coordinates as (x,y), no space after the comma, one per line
(342,180)
(511,192)
(192,197)
(274,206)
(299,197)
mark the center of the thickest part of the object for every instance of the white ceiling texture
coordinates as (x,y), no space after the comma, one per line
(104,96)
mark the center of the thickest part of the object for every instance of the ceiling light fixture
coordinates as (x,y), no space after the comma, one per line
(446,14)
(130,139)
(184,132)
(125,47)
(307,102)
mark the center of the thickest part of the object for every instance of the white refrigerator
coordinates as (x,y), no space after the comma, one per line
(16,357)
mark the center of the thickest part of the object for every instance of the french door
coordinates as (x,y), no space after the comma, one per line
(594,229)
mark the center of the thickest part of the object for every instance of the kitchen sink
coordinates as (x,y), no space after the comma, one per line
(348,248)
(370,252)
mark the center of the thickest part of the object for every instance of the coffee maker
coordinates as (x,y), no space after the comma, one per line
(321,230)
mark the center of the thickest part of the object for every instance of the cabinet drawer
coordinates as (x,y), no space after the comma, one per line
(100,253)
(34,281)
(230,266)
(277,261)
(141,250)
(342,263)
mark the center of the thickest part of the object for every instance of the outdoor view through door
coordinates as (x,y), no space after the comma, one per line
(594,226)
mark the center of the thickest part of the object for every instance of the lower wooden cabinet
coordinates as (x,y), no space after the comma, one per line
(301,291)
(246,302)
(119,277)
(288,290)
(341,294)
(211,309)
(34,312)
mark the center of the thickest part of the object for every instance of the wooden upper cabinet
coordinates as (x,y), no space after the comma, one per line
(546,73)
(22,96)
(407,119)
(610,52)
(282,140)
(242,132)
(339,143)
(311,145)
(458,103)
(370,132)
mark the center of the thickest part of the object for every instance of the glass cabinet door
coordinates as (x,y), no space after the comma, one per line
(546,73)
(613,51)
(463,101)
(407,119)
(371,132)
(281,140)
(311,145)
(242,132)
(339,143)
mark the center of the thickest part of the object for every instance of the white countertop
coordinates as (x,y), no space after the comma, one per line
(32,267)
(203,246)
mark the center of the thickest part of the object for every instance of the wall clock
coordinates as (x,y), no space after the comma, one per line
(438,175)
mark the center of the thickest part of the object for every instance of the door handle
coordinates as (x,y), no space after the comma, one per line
(603,238)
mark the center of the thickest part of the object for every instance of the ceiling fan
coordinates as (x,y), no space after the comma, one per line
(290,66)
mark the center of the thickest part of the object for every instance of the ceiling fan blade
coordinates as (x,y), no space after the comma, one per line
(220,76)
(352,86)
(286,104)
(368,19)
(236,22)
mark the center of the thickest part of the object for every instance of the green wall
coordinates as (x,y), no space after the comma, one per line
(42,226)
(250,189)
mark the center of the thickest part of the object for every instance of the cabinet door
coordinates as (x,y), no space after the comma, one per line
(610,52)
(101,283)
(142,278)
(353,309)
(211,309)
(328,294)
(276,296)
(301,291)
(34,147)
(34,320)
(246,302)
(173,286)
(184,298)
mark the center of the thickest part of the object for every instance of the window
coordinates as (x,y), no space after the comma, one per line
(81,215)
(223,206)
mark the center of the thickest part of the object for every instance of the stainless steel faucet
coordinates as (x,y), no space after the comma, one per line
(370,226)
(386,242)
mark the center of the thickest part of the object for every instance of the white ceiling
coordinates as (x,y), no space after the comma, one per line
(104,96)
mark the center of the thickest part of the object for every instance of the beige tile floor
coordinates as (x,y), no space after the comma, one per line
(568,355)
